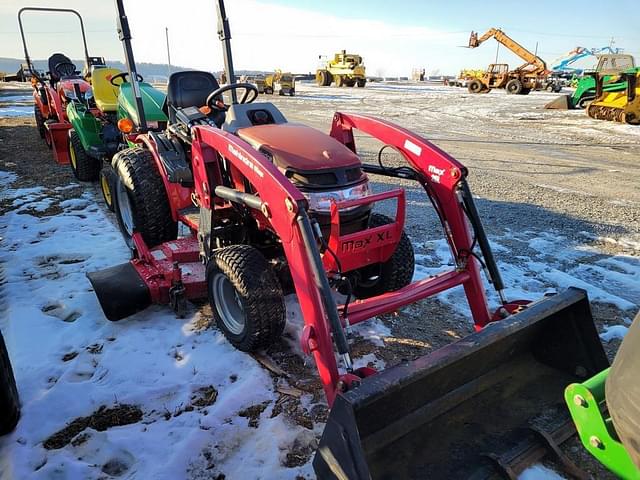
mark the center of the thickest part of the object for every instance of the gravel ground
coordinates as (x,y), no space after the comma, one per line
(559,176)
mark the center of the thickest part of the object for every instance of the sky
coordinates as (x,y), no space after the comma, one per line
(393,37)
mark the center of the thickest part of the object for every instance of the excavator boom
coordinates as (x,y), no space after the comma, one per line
(504,39)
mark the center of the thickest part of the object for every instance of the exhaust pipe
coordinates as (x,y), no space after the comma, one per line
(444,415)
(121,291)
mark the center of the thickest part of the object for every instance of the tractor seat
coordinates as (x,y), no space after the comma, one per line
(190,89)
(105,94)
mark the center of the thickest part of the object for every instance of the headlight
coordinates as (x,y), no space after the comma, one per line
(70,94)
(88,95)
(321,201)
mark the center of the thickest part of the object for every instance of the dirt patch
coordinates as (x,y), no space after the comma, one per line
(204,396)
(253,413)
(100,420)
(67,357)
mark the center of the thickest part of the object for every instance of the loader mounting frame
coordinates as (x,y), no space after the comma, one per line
(175,267)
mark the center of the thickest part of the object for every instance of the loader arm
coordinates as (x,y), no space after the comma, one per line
(505,40)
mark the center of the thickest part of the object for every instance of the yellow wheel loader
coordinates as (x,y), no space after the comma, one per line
(282,82)
(622,106)
(346,70)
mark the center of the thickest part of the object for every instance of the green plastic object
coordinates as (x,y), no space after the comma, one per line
(586,402)
(85,124)
(152,100)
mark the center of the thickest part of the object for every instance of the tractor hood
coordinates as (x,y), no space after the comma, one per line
(152,100)
(298,147)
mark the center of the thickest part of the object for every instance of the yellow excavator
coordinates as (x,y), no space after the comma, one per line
(529,76)
(622,106)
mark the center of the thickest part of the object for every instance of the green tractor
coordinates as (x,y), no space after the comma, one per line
(611,67)
(606,410)
(103,121)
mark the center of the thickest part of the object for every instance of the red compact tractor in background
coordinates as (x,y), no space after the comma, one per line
(56,88)
(274,207)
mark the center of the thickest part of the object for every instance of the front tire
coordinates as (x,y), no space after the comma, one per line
(9,400)
(108,180)
(391,275)
(85,168)
(246,297)
(475,86)
(514,86)
(141,201)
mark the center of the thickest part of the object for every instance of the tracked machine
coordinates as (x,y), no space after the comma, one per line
(621,106)
(275,207)
(609,70)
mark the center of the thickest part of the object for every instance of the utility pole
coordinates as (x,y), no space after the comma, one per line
(166,33)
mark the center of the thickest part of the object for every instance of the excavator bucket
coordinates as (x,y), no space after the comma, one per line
(489,404)
(562,102)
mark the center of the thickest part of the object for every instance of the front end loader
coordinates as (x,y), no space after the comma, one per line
(260,200)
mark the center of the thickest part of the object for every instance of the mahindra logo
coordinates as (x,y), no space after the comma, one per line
(360,244)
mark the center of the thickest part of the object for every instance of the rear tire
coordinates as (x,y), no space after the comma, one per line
(108,179)
(246,297)
(514,86)
(292,92)
(9,400)
(85,168)
(141,201)
(475,86)
(395,273)
(39,121)
(361,82)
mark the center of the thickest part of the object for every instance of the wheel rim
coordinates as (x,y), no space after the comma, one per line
(72,155)
(124,208)
(106,189)
(228,304)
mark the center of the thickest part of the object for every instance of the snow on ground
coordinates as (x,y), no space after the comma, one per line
(554,263)
(69,360)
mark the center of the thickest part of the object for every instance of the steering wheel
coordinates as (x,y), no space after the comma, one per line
(249,89)
(123,76)
(65,69)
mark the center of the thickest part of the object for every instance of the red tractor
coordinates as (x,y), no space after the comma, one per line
(273,206)
(61,84)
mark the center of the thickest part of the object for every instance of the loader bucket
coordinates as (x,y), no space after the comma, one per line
(120,290)
(563,102)
(465,408)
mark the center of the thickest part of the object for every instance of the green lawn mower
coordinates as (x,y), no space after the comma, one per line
(102,123)
(606,410)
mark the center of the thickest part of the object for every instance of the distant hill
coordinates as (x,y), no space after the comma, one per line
(150,71)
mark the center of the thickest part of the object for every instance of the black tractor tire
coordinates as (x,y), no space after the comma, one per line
(268,90)
(39,121)
(328,78)
(9,400)
(339,80)
(84,167)
(246,297)
(525,91)
(292,92)
(138,178)
(361,82)
(475,86)
(393,274)
(551,87)
(514,86)
(281,93)
(108,179)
